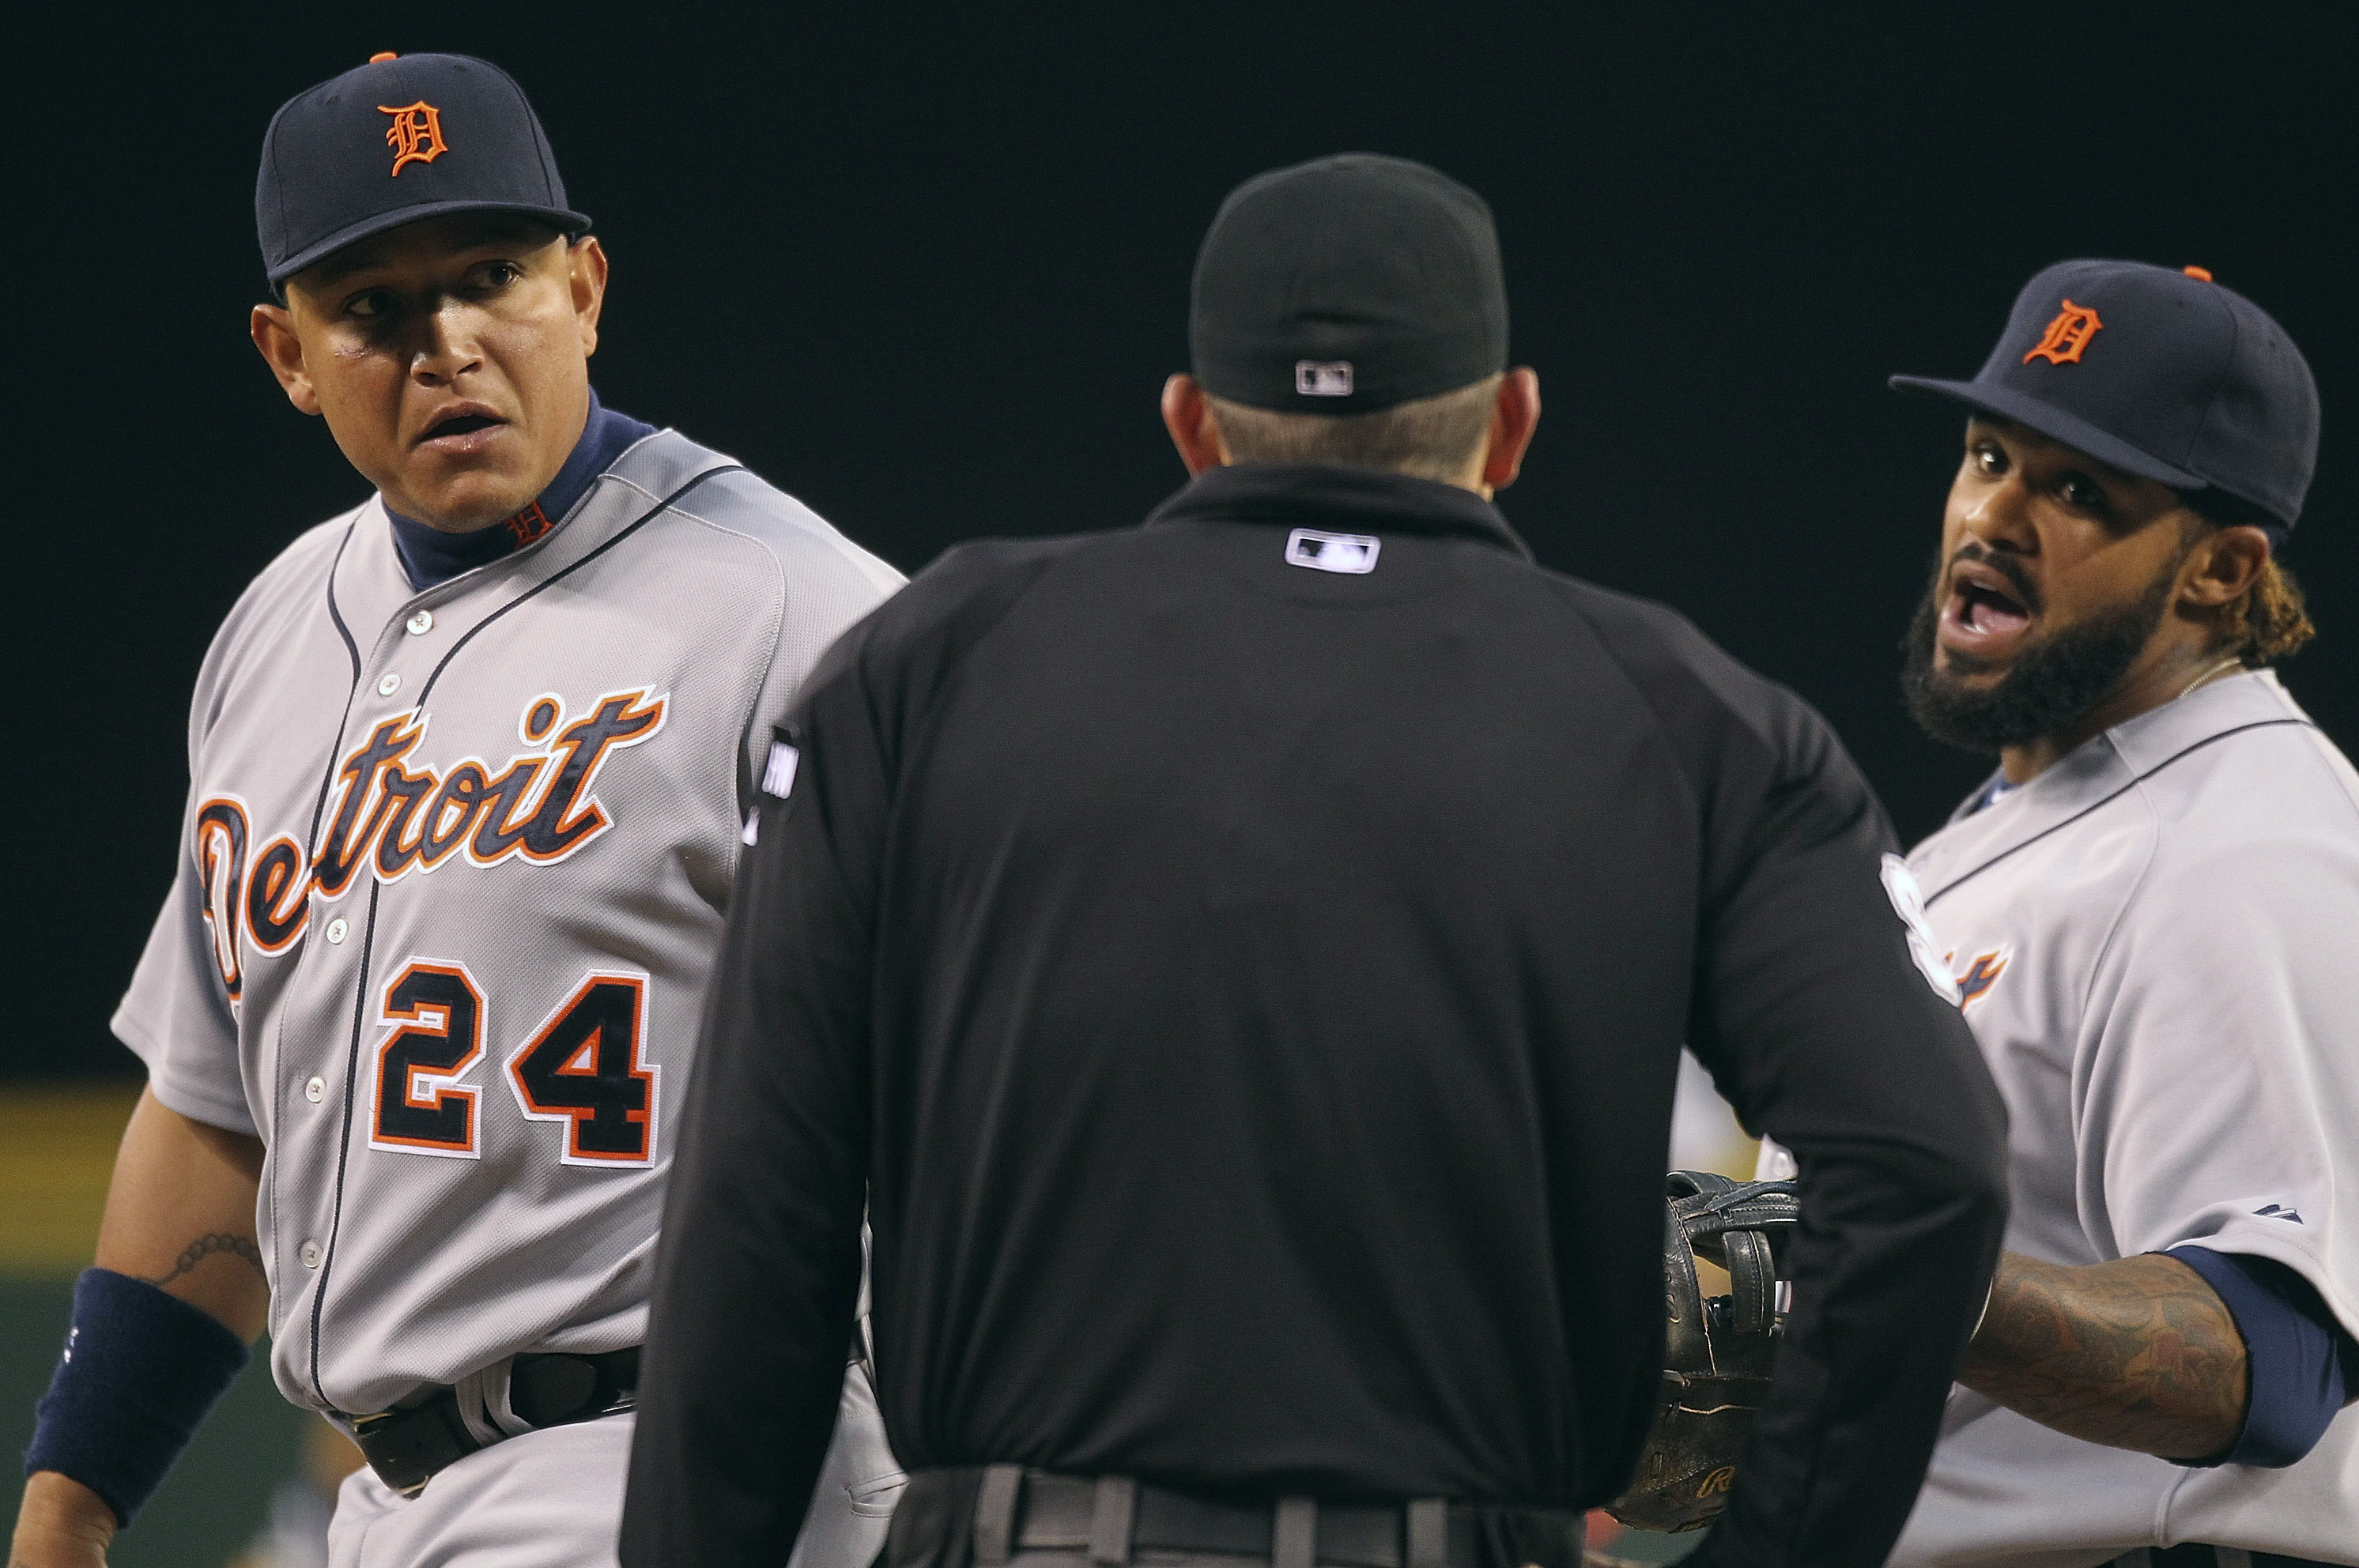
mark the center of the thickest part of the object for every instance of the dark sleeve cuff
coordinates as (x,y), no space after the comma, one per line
(2302,1366)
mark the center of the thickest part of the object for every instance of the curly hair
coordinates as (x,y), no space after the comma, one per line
(2273,613)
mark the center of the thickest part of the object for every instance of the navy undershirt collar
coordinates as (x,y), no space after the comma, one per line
(1998,789)
(429,556)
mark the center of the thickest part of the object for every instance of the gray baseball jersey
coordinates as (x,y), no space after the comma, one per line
(2153,944)
(453,870)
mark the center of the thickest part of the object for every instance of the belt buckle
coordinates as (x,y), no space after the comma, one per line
(363,1427)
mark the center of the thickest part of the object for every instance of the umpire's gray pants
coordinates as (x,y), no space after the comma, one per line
(553,1499)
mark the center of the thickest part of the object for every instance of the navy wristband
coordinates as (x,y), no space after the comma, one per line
(141,1368)
(2299,1364)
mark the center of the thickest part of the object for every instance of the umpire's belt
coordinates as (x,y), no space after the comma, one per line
(406,1447)
(1110,1517)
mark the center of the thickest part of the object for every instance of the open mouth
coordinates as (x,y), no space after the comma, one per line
(461,429)
(459,425)
(1984,611)
(1984,614)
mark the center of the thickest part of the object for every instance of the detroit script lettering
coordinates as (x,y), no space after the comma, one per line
(382,814)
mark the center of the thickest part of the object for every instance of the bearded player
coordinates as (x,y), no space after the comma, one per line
(2150,910)
(470,766)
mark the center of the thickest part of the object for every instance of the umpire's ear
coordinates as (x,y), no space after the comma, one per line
(1188,414)
(1513,417)
(272,328)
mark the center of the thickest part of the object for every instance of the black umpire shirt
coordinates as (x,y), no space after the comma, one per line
(1248,997)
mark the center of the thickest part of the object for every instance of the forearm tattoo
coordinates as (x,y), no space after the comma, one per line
(204,1247)
(2138,1354)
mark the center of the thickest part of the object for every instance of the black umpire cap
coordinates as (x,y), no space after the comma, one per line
(402,138)
(1347,285)
(2160,373)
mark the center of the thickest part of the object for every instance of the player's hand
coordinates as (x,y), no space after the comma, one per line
(61,1524)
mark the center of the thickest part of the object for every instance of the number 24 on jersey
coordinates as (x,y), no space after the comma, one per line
(583,1068)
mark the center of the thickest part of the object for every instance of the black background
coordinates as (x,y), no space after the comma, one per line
(928,268)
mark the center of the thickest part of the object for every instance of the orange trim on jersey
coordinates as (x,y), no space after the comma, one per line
(541,717)
(361,803)
(220,848)
(510,802)
(277,895)
(540,807)
(425,1087)
(616,722)
(586,1059)
(449,819)
(1981,975)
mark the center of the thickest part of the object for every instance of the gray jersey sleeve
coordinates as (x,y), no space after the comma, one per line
(178,1017)
(2220,1063)
(825,583)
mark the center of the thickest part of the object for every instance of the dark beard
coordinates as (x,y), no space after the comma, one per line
(2054,683)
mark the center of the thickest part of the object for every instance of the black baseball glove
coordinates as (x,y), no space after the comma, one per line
(1720,1350)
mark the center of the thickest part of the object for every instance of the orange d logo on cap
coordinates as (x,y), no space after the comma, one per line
(2066,337)
(2148,385)
(326,180)
(415,133)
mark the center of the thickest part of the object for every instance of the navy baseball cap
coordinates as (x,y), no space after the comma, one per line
(2162,373)
(1347,285)
(401,138)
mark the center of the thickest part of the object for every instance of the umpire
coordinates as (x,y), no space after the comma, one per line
(1241,962)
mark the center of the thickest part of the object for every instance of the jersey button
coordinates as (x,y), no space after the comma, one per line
(387,687)
(421,623)
(336,929)
(310,1253)
(314,1089)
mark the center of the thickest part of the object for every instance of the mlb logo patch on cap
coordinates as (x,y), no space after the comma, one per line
(1344,286)
(1324,378)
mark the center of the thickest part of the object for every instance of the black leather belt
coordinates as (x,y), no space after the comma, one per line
(406,1447)
(1109,1518)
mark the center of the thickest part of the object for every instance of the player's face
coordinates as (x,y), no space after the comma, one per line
(450,358)
(2038,541)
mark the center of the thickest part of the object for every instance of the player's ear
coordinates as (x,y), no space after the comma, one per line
(272,328)
(1188,414)
(1513,420)
(585,266)
(2222,568)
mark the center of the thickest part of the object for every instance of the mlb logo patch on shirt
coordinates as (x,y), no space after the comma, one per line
(1354,553)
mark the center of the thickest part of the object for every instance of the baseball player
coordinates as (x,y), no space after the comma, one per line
(469,770)
(2148,911)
